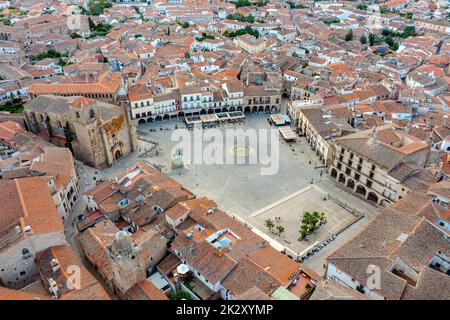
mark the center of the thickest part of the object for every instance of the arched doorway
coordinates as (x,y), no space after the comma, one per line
(149,120)
(203,111)
(232,109)
(247,109)
(117,154)
(342,178)
(158,118)
(267,109)
(333,173)
(166,117)
(239,109)
(372,197)
(261,109)
(210,111)
(361,190)
(141,121)
(181,113)
(255,109)
(351,184)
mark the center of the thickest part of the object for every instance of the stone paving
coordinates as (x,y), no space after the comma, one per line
(241,190)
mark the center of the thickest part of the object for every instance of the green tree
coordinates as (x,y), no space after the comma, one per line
(386,32)
(269,224)
(311,221)
(372,39)
(185,25)
(187,55)
(180,295)
(304,230)
(96,7)
(408,32)
(280,230)
(349,36)
(363,39)
(361,7)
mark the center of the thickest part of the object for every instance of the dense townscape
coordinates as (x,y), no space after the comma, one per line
(97,205)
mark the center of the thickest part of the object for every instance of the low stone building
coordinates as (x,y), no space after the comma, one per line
(258,98)
(321,125)
(372,163)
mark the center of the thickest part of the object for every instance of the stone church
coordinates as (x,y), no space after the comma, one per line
(97,133)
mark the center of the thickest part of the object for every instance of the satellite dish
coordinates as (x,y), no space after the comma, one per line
(182,269)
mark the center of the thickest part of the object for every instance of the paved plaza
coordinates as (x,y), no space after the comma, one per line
(241,190)
(290,212)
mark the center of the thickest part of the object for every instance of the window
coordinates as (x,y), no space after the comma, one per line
(91,114)
(77,114)
(22,273)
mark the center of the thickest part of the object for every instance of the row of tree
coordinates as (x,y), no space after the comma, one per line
(240,32)
(312,220)
(279,229)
